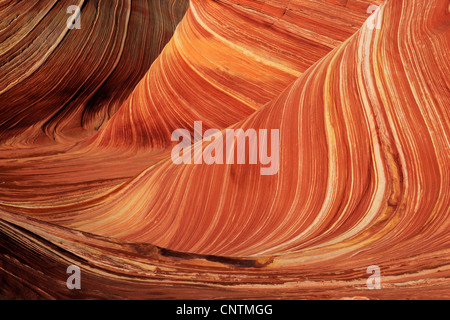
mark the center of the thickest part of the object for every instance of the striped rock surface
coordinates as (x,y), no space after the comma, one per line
(59,83)
(363,116)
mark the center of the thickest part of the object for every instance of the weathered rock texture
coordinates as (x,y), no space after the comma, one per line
(364,174)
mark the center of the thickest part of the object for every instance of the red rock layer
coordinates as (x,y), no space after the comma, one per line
(54,79)
(191,80)
(363,180)
(227,59)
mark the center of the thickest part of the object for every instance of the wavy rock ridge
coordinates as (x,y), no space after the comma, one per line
(363,115)
(69,77)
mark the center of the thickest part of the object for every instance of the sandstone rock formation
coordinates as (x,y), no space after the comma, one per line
(364,177)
